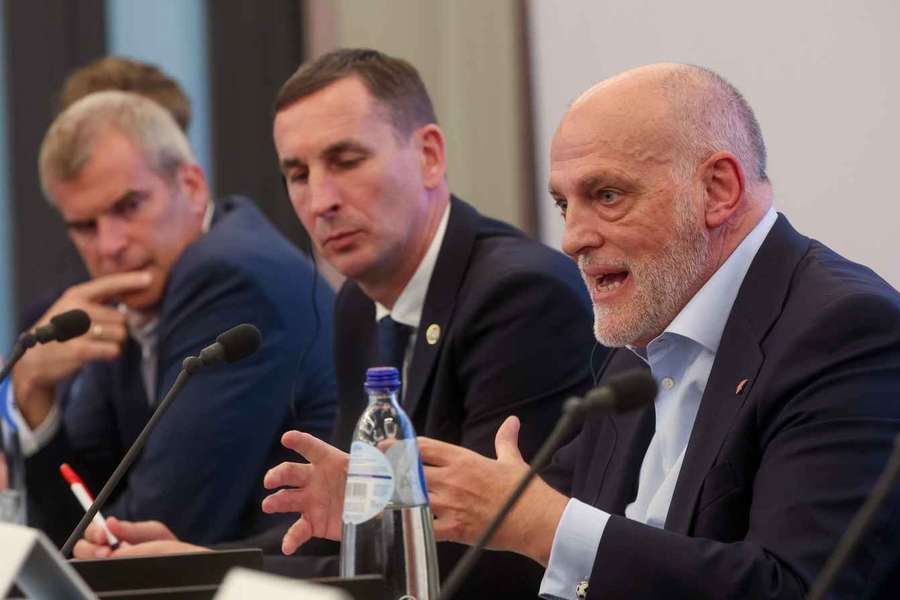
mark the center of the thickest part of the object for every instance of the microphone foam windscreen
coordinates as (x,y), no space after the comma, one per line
(632,389)
(239,341)
(70,324)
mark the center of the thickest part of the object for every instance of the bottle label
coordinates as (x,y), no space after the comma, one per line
(370,484)
(409,482)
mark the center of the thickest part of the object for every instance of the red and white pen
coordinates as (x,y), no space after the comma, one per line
(85,499)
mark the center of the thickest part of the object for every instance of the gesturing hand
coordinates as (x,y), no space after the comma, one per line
(467,489)
(315,490)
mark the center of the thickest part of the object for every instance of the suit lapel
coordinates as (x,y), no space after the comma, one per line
(622,441)
(440,299)
(737,363)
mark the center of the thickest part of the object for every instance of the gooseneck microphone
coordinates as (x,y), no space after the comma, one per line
(62,327)
(622,393)
(233,345)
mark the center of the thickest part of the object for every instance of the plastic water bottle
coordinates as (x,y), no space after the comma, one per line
(386,519)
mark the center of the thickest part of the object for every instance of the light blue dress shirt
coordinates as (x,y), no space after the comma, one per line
(680,359)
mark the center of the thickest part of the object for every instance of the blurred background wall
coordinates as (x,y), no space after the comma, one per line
(822,75)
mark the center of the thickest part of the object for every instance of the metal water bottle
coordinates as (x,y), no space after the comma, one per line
(386,518)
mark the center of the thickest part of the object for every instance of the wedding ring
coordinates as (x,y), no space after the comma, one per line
(97,331)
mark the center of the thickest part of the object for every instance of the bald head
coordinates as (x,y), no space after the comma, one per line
(700,111)
(659,173)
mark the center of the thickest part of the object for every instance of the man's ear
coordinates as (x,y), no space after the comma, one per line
(430,143)
(192,183)
(723,181)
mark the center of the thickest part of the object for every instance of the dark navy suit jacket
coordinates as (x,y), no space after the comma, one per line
(777,466)
(515,322)
(515,339)
(201,471)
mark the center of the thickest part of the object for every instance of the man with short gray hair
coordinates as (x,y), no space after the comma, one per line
(170,270)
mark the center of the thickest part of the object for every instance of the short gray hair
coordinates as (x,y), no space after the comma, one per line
(69,141)
(712,115)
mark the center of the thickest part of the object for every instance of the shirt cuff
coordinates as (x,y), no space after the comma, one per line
(574,550)
(30,441)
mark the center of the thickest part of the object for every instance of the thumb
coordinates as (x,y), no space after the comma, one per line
(506,441)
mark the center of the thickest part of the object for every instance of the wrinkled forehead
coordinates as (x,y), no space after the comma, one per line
(612,129)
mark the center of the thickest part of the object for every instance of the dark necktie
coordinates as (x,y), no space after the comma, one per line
(392,340)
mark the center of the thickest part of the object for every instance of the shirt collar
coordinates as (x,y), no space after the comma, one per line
(408,307)
(703,318)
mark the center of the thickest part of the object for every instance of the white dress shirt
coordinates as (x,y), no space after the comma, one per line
(680,360)
(411,301)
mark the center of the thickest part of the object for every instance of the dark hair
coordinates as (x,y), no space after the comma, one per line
(127,75)
(392,81)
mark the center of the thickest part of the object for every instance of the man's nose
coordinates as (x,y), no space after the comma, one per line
(324,194)
(112,237)
(582,230)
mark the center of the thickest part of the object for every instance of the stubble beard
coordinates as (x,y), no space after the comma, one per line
(662,284)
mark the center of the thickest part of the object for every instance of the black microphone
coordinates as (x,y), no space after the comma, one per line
(858,526)
(233,345)
(62,327)
(622,393)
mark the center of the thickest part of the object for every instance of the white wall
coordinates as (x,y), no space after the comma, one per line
(822,75)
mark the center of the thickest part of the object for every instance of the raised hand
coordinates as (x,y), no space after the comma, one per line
(41,368)
(467,489)
(315,490)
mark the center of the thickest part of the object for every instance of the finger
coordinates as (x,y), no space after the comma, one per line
(89,350)
(285,501)
(437,453)
(136,532)
(156,548)
(288,473)
(100,313)
(446,530)
(107,331)
(106,287)
(94,534)
(296,535)
(308,446)
(434,479)
(86,550)
(506,442)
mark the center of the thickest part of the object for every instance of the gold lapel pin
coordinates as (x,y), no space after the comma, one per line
(740,387)
(433,334)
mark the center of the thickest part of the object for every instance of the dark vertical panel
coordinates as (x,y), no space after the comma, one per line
(46,39)
(254,48)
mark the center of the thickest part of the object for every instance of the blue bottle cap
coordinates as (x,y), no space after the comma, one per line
(383,379)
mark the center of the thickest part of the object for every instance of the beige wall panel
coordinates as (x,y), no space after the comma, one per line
(468,52)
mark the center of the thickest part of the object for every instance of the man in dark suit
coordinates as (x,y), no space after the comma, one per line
(364,163)
(170,271)
(778,364)
(483,305)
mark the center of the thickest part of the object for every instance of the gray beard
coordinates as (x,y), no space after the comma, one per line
(662,283)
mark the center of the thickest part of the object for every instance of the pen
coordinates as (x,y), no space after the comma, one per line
(85,499)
